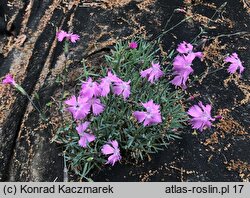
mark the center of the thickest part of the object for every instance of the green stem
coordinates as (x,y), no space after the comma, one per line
(65,170)
(209,73)
(168,21)
(86,74)
(228,35)
(163,92)
(165,32)
(66,47)
(41,114)
(197,36)
(217,11)
(118,65)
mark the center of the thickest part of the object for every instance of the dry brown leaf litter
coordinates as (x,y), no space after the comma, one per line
(242,168)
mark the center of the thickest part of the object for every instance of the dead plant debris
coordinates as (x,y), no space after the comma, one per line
(242,168)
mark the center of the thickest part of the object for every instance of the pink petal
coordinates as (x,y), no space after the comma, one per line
(140,116)
(176,81)
(113,159)
(241,69)
(89,89)
(146,72)
(126,94)
(82,112)
(97,108)
(72,110)
(148,104)
(179,61)
(8,79)
(184,47)
(107,149)
(195,111)
(117,90)
(82,127)
(198,54)
(114,144)
(197,124)
(86,138)
(147,121)
(72,101)
(113,77)
(207,108)
(156,118)
(190,57)
(61,35)
(74,38)
(83,142)
(78,115)
(104,88)
(232,68)
(82,100)
(133,45)
(90,137)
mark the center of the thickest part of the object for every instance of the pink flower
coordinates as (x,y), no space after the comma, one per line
(180,10)
(122,88)
(185,47)
(106,83)
(201,116)
(96,105)
(235,64)
(74,37)
(61,35)
(219,117)
(133,45)
(90,89)
(197,54)
(81,128)
(105,87)
(151,116)
(182,70)
(8,79)
(85,138)
(78,107)
(153,73)
(113,77)
(183,62)
(114,150)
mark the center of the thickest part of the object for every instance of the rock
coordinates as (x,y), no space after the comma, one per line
(3,5)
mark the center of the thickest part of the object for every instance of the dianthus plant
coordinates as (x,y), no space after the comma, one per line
(125,110)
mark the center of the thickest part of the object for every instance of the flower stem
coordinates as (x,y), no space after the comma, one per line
(168,30)
(65,170)
(41,114)
(66,48)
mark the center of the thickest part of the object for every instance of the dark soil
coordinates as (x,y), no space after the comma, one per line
(33,55)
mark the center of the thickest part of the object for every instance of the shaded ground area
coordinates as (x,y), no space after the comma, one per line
(30,52)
